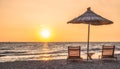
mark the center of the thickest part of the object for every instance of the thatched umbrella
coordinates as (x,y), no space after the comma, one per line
(90,18)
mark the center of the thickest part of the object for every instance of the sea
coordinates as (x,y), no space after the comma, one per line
(25,51)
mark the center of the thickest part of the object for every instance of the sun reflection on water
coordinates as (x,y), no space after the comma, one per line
(46,50)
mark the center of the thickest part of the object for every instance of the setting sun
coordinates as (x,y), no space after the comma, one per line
(45,33)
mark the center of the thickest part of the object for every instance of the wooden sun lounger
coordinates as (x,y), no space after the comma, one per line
(74,53)
(108,53)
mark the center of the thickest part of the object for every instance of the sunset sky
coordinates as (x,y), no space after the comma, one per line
(24,20)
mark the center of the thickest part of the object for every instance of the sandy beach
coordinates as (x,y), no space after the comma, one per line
(59,64)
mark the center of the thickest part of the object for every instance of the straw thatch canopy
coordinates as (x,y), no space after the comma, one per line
(90,17)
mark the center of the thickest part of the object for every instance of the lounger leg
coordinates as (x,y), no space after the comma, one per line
(116,59)
(67,61)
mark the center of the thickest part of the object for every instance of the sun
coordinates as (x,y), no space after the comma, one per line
(45,33)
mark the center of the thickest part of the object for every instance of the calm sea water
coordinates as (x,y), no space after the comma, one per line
(23,51)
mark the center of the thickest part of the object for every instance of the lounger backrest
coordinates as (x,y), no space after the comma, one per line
(74,51)
(108,51)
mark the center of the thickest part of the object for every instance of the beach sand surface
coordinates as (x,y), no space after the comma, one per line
(60,64)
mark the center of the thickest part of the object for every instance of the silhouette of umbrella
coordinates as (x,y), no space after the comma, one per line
(90,18)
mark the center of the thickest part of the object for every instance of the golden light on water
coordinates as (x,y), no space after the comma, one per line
(46,49)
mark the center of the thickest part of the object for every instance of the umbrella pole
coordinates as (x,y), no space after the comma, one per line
(88,41)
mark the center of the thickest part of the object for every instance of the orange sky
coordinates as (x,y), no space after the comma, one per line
(22,20)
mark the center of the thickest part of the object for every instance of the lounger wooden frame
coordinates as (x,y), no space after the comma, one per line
(108,52)
(74,53)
